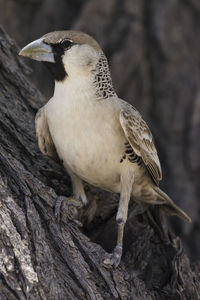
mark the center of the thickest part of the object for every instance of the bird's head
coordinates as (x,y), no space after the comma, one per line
(66,53)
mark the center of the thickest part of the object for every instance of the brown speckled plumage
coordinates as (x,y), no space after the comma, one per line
(102,79)
(140,138)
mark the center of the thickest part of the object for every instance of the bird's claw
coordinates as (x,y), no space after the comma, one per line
(114,258)
(70,202)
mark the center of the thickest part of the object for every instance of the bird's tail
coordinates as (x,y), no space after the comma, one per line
(169,207)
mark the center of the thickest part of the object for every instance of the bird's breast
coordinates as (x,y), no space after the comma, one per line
(88,138)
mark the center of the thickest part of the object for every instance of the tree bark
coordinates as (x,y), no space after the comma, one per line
(45,258)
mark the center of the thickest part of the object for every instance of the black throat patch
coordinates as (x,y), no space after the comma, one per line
(57,69)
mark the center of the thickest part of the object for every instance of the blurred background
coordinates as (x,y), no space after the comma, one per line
(153,48)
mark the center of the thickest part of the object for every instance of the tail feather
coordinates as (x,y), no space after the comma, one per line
(170,207)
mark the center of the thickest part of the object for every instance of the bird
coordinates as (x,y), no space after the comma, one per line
(100,138)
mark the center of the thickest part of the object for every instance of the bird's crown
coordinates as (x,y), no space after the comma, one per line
(75,37)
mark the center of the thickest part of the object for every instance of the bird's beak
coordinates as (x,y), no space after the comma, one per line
(38,50)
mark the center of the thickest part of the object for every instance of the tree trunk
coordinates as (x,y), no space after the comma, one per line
(46,258)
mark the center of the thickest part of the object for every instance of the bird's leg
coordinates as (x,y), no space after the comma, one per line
(126,187)
(78,199)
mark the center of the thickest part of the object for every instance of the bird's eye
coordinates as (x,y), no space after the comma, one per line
(66,44)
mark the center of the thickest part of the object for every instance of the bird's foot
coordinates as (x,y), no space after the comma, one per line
(72,203)
(114,258)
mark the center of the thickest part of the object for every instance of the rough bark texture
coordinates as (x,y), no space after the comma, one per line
(45,258)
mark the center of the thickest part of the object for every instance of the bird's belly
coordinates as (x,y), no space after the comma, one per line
(90,160)
(95,168)
(92,150)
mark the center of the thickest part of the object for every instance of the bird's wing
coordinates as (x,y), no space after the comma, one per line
(140,138)
(44,138)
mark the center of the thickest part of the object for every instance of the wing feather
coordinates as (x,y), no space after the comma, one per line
(44,138)
(141,140)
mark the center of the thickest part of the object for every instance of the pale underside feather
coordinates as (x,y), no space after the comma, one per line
(140,139)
